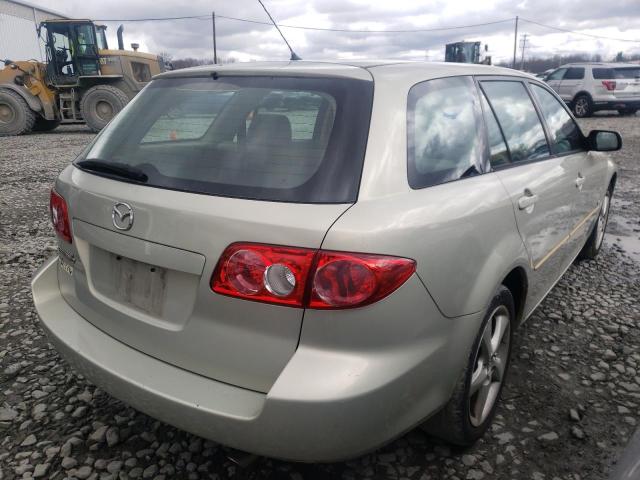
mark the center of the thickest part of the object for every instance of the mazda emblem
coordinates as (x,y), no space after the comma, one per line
(122,216)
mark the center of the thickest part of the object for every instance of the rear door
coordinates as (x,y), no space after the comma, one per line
(627,83)
(572,82)
(540,185)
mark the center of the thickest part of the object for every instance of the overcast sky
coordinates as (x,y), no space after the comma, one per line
(246,41)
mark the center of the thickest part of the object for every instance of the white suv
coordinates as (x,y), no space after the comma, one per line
(589,87)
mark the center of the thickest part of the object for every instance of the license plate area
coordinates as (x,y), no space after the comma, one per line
(130,282)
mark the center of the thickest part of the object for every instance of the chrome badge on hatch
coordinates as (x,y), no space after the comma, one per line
(122,216)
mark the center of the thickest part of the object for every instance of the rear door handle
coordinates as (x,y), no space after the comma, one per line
(580,181)
(527,201)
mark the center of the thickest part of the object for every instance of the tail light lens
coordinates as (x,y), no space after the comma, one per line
(60,216)
(305,278)
(263,273)
(609,84)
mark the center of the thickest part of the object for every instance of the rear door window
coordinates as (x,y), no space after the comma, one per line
(603,73)
(443,131)
(564,132)
(518,118)
(574,73)
(268,138)
(498,151)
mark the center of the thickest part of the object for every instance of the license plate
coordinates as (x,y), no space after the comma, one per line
(139,284)
(64,266)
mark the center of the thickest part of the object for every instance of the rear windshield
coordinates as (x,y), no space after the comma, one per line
(267,138)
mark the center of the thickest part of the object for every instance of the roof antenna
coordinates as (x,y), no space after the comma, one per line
(294,56)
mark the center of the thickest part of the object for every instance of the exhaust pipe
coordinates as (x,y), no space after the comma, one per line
(120,40)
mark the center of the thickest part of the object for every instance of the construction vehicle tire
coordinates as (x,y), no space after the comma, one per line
(100,104)
(16,118)
(44,125)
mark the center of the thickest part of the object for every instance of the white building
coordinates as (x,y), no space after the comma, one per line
(18,34)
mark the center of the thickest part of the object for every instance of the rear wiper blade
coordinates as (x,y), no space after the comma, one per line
(114,168)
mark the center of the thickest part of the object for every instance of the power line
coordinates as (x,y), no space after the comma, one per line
(346,30)
(580,33)
(301,27)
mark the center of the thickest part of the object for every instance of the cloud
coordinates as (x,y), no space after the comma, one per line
(245,41)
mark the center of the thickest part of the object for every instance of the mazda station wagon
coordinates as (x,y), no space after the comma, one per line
(306,260)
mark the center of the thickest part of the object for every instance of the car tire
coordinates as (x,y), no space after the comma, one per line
(466,417)
(16,117)
(582,106)
(44,125)
(596,237)
(627,111)
(100,104)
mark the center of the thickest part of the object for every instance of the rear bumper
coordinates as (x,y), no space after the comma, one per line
(325,406)
(616,104)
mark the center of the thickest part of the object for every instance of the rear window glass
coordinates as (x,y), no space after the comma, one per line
(443,131)
(268,138)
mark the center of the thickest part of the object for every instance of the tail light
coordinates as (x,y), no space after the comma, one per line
(609,84)
(306,278)
(60,216)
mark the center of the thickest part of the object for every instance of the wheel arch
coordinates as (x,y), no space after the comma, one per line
(582,92)
(518,284)
(34,102)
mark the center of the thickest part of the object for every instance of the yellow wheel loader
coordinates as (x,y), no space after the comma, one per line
(82,80)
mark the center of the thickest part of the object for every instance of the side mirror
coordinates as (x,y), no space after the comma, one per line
(604,141)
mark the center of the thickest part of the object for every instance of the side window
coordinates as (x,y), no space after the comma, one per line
(557,75)
(574,73)
(518,119)
(498,152)
(603,73)
(565,134)
(444,142)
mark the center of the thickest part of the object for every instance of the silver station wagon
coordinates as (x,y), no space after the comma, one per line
(306,260)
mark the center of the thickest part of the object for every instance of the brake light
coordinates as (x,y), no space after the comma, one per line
(305,278)
(60,216)
(345,280)
(609,84)
(263,273)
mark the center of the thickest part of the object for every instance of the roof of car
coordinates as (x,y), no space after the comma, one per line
(359,69)
(599,64)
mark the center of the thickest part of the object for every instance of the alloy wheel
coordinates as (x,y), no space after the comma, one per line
(490,366)
(582,107)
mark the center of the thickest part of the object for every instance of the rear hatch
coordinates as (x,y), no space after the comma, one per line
(202,163)
(623,82)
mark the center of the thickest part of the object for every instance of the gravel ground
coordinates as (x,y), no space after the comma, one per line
(569,407)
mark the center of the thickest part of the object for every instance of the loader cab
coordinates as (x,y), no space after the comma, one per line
(72,50)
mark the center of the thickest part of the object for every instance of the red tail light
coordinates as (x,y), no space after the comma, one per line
(60,216)
(301,277)
(344,280)
(609,84)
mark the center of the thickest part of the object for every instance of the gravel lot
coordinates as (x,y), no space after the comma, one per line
(571,403)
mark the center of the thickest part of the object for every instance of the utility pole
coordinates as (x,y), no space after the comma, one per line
(215,50)
(515,44)
(523,45)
